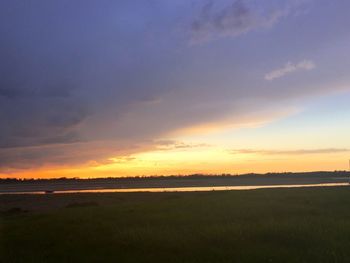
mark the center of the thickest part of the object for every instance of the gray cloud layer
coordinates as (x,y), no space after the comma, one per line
(87,80)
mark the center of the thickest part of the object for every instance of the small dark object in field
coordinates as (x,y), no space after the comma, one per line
(49,192)
(173,197)
(13,211)
(82,204)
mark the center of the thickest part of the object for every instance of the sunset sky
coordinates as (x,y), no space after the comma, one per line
(158,87)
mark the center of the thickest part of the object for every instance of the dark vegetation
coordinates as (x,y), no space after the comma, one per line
(270,225)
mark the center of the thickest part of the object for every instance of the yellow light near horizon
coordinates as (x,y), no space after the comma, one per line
(206,160)
(168,162)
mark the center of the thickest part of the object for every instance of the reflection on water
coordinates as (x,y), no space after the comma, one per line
(181,189)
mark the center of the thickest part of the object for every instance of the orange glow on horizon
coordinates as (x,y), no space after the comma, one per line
(212,160)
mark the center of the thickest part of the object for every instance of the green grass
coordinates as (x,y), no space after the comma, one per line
(271,225)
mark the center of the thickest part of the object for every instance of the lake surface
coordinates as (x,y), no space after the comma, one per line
(181,189)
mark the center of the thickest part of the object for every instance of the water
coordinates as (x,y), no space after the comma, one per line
(182,189)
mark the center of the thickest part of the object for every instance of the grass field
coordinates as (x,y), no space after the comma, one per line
(271,225)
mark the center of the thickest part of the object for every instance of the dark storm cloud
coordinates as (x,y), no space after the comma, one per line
(37,104)
(69,70)
(60,64)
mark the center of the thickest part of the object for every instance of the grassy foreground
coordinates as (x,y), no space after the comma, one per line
(271,225)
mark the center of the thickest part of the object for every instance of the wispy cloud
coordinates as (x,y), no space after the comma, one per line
(290,68)
(290,152)
(172,145)
(230,21)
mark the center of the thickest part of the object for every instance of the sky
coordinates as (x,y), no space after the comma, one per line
(161,87)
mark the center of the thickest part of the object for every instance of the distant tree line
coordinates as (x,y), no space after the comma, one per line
(167,177)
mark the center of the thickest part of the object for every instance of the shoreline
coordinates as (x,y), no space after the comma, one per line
(173,184)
